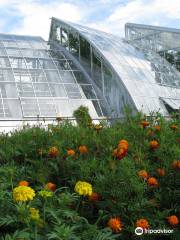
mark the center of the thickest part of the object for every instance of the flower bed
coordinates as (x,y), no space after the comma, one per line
(92,181)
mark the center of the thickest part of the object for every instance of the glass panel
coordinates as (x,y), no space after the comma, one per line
(12,108)
(10,43)
(17,62)
(74,44)
(22,76)
(2,51)
(57,90)
(47,107)
(42,90)
(6,75)
(33,63)
(88,91)
(73,91)
(8,90)
(29,107)
(13,52)
(85,54)
(62,65)
(23,44)
(80,78)
(107,80)
(37,75)
(63,108)
(25,90)
(4,62)
(47,64)
(64,37)
(67,76)
(53,76)
(96,71)
(57,54)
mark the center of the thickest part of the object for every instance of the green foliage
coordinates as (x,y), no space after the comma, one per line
(122,193)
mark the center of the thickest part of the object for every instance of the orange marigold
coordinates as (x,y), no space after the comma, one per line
(143,174)
(83,149)
(53,152)
(152,182)
(144,124)
(123,144)
(176,164)
(115,224)
(94,197)
(173,220)
(70,152)
(161,172)
(51,186)
(157,128)
(23,183)
(174,127)
(143,223)
(153,144)
(121,153)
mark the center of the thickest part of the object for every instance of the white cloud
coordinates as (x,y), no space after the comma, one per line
(36,16)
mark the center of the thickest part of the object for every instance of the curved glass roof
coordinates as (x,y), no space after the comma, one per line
(146,78)
(36,81)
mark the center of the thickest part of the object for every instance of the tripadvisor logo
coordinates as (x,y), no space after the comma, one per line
(140,231)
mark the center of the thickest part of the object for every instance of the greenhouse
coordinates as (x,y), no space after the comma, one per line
(82,66)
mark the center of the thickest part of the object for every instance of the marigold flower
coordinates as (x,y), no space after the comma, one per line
(98,127)
(121,153)
(160,172)
(144,124)
(83,188)
(45,194)
(153,144)
(123,144)
(115,224)
(173,220)
(143,174)
(34,214)
(83,149)
(152,182)
(53,152)
(70,152)
(23,183)
(157,128)
(174,127)
(143,223)
(150,133)
(23,194)
(176,164)
(94,197)
(51,186)
(115,151)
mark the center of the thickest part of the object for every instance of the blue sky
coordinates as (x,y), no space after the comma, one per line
(32,17)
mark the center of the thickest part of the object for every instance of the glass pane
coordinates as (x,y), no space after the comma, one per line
(64,37)
(37,75)
(73,91)
(67,76)
(4,62)
(57,90)
(17,62)
(47,64)
(29,107)
(8,90)
(88,91)
(80,78)
(53,76)
(47,107)
(96,71)
(12,108)
(85,54)
(22,76)
(6,75)
(74,44)
(25,90)
(42,90)
(33,63)
(13,52)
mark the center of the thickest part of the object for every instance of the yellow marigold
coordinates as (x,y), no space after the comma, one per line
(70,152)
(143,174)
(98,127)
(34,214)
(23,194)
(83,149)
(143,223)
(83,188)
(153,144)
(53,152)
(152,182)
(144,124)
(173,220)
(45,194)
(23,183)
(115,224)
(161,172)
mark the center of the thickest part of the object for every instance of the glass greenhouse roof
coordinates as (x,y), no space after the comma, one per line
(36,81)
(137,78)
